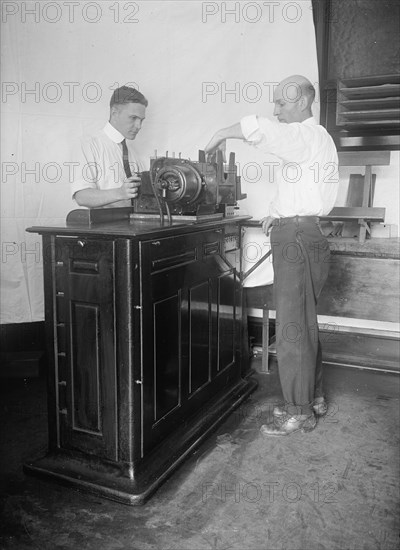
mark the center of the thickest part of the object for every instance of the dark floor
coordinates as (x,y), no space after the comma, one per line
(336,488)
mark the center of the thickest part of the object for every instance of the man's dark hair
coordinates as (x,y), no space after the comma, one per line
(125,94)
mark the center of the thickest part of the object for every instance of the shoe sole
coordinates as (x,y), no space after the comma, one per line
(302,429)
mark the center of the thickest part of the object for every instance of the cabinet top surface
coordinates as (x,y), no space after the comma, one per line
(134,228)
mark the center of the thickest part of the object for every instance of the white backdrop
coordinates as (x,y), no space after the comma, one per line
(202,66)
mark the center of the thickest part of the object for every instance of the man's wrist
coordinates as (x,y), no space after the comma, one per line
(219,137)
(119,195)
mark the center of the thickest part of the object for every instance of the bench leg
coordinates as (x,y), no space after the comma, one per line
(366,202)
(364,229)
(265,341)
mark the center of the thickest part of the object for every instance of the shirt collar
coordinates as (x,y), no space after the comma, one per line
(113,133)
(310,120)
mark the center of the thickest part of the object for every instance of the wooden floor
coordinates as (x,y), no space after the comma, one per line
(336,488)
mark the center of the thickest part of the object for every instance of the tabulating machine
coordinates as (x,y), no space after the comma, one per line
(185,188)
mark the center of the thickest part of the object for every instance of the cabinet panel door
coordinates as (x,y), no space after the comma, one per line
(188,330)
(199,334)
(87,383)
(225,321)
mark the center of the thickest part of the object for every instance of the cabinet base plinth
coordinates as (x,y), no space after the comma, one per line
(108,482)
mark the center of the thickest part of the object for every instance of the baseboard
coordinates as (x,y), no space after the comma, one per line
(368,349)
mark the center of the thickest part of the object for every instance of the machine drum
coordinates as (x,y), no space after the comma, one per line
(179,183)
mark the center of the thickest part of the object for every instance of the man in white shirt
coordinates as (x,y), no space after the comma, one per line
(109,168)
(307,182)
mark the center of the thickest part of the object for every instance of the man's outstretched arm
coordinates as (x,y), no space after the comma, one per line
(219,138)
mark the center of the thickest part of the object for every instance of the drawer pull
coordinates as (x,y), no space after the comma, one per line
(137,307)
(81,243)
(84,266)
(156,243)
(138,382)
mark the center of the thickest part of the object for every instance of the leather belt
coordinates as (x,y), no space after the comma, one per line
(296,219)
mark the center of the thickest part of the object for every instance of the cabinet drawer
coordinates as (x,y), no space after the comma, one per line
(169,252)
(83,253)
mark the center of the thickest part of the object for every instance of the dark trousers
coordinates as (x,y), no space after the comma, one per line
(300,255)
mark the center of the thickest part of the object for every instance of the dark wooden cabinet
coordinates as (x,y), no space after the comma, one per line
(146,332)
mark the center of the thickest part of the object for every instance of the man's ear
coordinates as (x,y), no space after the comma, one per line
(303,103)
(113,110)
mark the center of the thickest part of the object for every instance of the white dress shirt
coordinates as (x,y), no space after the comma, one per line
(307,174)
(101,165)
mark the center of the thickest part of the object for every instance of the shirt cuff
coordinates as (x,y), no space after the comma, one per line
(250,128)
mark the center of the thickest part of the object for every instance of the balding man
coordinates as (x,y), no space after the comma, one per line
(307,184)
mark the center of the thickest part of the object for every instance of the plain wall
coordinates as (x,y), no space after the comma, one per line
(202,66)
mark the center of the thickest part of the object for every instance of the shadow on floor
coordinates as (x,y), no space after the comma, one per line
(336,488)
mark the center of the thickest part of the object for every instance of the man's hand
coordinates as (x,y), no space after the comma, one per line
(96,198)
(130,188)
(266,224)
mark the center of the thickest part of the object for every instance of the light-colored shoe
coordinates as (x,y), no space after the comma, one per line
(290,425)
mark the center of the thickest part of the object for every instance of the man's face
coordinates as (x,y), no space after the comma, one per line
(286,99)
(128,118)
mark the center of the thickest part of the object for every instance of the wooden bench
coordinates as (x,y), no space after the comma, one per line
(362,215)
(362,210)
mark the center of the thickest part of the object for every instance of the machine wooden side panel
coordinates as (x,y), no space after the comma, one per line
(87,383)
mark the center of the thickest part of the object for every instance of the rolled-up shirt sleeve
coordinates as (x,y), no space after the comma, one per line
(286,141)
(87,171)
(251,130)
